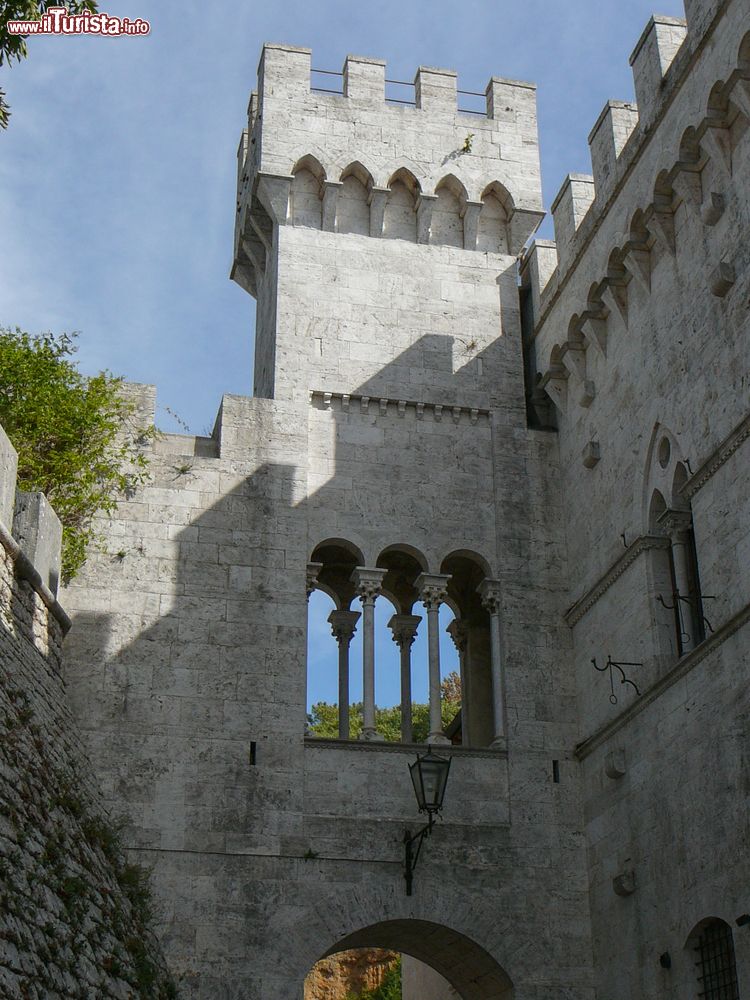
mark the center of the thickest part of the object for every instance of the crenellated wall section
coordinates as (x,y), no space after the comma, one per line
(636,339)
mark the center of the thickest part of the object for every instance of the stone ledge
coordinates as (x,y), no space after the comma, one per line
(329,743)
(25,569)
(718,457)
(584,604)
(678,671)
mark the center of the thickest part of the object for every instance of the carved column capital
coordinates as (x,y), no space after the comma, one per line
(675,523)
(404,629)
(313,572)
(491,594)
(367,583)
(432,589)
(343,625)
(459,633)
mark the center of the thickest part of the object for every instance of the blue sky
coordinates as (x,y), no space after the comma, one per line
(322,654)
(117,174)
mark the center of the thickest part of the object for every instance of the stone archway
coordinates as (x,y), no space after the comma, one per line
(469,968)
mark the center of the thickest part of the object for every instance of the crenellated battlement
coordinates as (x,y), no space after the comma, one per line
(615,231)
(358,152)
(659,61)
(286,71)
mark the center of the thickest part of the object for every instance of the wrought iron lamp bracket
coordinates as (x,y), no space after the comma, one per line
(411,854)
(617,665)
(677,597)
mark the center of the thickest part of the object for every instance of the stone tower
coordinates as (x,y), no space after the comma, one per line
(385,454)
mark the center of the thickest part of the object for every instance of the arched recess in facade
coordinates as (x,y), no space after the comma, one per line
(471,971)
(471,634)
(675,578)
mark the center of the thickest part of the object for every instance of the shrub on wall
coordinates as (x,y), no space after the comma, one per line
(75,435)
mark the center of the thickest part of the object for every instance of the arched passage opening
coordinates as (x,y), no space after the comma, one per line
(465,966)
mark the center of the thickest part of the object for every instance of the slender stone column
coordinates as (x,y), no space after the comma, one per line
(343,627)
(367,583)
(677,523)
(432,590)
(404,628)
(459,634)
(490,593)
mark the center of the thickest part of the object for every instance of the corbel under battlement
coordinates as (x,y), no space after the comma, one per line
(381,406)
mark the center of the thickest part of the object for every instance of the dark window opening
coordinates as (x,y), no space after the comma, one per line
(717,971)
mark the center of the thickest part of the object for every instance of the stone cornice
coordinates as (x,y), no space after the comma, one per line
(385,405)
(642,544)
(326,743)
(679,670)
(717,458)
(25,569)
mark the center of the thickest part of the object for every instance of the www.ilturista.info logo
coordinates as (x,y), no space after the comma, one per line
(58,21)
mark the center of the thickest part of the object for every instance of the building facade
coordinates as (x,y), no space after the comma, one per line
(562,463)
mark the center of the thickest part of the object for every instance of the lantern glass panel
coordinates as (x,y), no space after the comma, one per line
(416,780)
(429,775)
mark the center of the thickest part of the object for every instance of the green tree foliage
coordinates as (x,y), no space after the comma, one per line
(389,988)
(14,46)
(74,435)
(323,720)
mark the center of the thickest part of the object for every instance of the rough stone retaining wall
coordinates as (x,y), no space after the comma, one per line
(73,913)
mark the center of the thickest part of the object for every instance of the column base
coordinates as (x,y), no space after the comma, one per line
(372,736)
(499,742)
(438,738)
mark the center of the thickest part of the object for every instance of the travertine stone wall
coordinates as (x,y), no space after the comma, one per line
(397,417)
(191,648)
(640,338)
(73,914)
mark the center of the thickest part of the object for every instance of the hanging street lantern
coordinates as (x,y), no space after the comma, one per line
(429,775)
